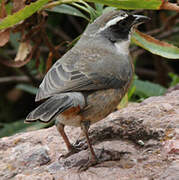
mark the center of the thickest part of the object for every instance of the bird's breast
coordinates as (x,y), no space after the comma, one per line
(101,103)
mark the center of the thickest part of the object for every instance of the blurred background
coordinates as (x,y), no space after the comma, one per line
(36,43)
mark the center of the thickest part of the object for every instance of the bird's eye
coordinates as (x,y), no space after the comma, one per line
(123,23)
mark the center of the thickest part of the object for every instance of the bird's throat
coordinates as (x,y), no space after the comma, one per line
(122,47)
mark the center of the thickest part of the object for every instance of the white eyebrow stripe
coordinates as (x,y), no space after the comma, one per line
(113,21)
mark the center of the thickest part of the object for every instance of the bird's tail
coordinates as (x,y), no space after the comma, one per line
(56,105)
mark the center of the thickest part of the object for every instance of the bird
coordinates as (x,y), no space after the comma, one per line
(88,82)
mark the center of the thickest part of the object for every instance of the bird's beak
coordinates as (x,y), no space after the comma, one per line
(139,19)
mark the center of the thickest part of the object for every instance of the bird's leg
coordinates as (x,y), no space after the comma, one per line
(93,159)
(70,147)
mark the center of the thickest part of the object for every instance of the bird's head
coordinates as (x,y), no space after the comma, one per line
(115,25)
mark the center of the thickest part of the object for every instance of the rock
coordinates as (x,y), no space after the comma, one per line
(172,146)
(138,142)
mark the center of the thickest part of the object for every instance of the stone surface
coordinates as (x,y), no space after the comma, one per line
(139,142)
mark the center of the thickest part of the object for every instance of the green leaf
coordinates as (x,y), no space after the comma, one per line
(147,89)
(123,103)
(131,92)
(8,129)
(11,128)
(131,4)
(108,9)
(67,9)
(174,78)
(22,14)
(27,88)
(155,46)
(87,8)
(99,7)
(9,7)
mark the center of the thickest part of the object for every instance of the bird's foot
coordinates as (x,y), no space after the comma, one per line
(73,150)
(93,161)
(90,163)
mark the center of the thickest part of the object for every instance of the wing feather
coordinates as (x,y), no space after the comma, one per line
(77,72)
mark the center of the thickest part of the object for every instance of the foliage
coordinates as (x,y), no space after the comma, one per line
(145,89)
(131,4)
(22,14)
(27,88)
(67,9)
(175,79)
(154,46)
(141,90)
(7,129)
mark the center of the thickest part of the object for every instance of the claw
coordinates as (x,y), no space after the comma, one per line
(93,160)
(72,151)
(89,164)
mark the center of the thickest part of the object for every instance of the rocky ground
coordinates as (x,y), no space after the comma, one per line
(139,142)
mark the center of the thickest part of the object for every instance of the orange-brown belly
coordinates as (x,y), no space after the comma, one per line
(99,105)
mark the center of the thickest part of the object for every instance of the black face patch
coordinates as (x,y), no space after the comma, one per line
(120,30)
